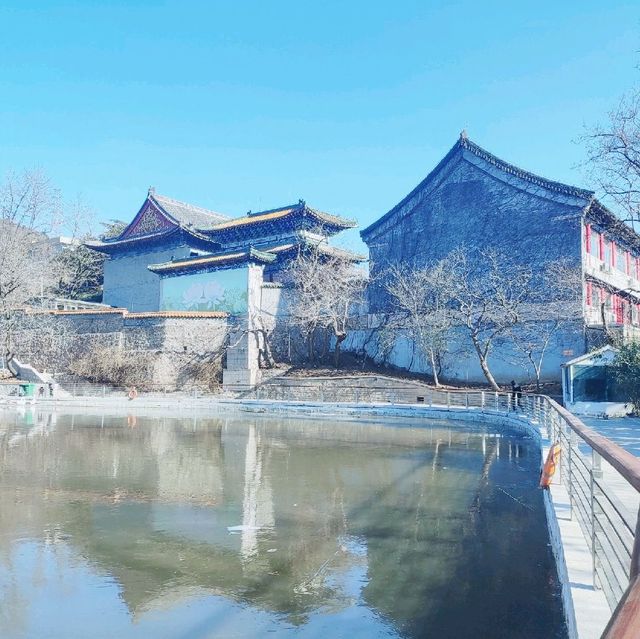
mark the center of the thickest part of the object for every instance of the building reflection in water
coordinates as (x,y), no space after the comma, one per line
(389,530)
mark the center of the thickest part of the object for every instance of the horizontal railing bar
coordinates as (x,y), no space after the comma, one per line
(627,464)
(596,497)
(619,550)
(617,577)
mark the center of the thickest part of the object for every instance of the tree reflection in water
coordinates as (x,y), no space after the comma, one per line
(197,526)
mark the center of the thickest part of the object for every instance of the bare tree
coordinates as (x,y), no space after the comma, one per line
(327,286)
(555,305)
(30,210)
(488,295)
(114,365)
(420,300)
(80,269)
(613,157)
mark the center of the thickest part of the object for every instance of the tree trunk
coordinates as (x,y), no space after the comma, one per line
(269,361)
(484,365)
(538,370)
(310,346)
(434,369)
(340,337)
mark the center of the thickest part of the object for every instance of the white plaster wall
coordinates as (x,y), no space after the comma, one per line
(128,283)
(461,362)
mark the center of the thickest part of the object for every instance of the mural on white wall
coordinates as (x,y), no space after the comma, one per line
(217,291)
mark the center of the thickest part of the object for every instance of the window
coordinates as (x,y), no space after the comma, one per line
(601,246)
(594,244)
(606,255)
(620,257)
(587,238)
(618,309)
(589,294)
(614,254)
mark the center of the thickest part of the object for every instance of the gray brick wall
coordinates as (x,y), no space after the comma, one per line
(473,208)
(469,202)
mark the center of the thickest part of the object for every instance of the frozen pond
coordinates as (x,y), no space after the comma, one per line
(250,527)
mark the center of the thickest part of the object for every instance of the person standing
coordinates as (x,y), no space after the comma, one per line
(516,394)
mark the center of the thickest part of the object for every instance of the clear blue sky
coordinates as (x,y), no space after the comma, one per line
(249,105)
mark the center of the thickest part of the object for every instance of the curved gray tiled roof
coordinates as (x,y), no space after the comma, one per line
(465,144)
(550,185)
(188,214)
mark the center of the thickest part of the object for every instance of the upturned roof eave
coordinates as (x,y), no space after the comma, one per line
(324,248)
(280,215)
(111,246)
(208,262)
(464,143)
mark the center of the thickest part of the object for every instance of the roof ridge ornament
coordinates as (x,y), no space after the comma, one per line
(152,190)
(463,135)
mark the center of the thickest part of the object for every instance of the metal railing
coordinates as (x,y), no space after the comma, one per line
(610,524)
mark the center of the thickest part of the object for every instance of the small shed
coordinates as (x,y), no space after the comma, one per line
(589,386)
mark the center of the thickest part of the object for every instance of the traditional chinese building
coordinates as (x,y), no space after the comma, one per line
(474,199)
(175,256)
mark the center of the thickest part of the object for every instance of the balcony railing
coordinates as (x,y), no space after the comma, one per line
(609,274)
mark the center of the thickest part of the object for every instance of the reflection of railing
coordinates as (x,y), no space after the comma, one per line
(612,535)
(609,528)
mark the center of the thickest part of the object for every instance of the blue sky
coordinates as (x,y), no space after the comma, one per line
(250,105)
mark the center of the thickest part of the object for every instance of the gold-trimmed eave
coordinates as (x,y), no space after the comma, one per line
(329,250)
(178,315)
(324,220)
(212,262)
(198,240)
(132,315)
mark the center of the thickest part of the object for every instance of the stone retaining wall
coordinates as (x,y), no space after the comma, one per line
(175,341)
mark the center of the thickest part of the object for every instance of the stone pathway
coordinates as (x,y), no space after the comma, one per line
(624,431)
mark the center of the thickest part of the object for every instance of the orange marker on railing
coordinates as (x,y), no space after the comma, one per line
(549,468)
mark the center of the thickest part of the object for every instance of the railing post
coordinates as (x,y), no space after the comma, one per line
(570,462)
(596,464)
(448,399)
(594,551)
(497,401)
(634,570)
(466,400)
(482,399)
(430,398)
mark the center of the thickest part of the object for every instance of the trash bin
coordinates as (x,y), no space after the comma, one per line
(29,390)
